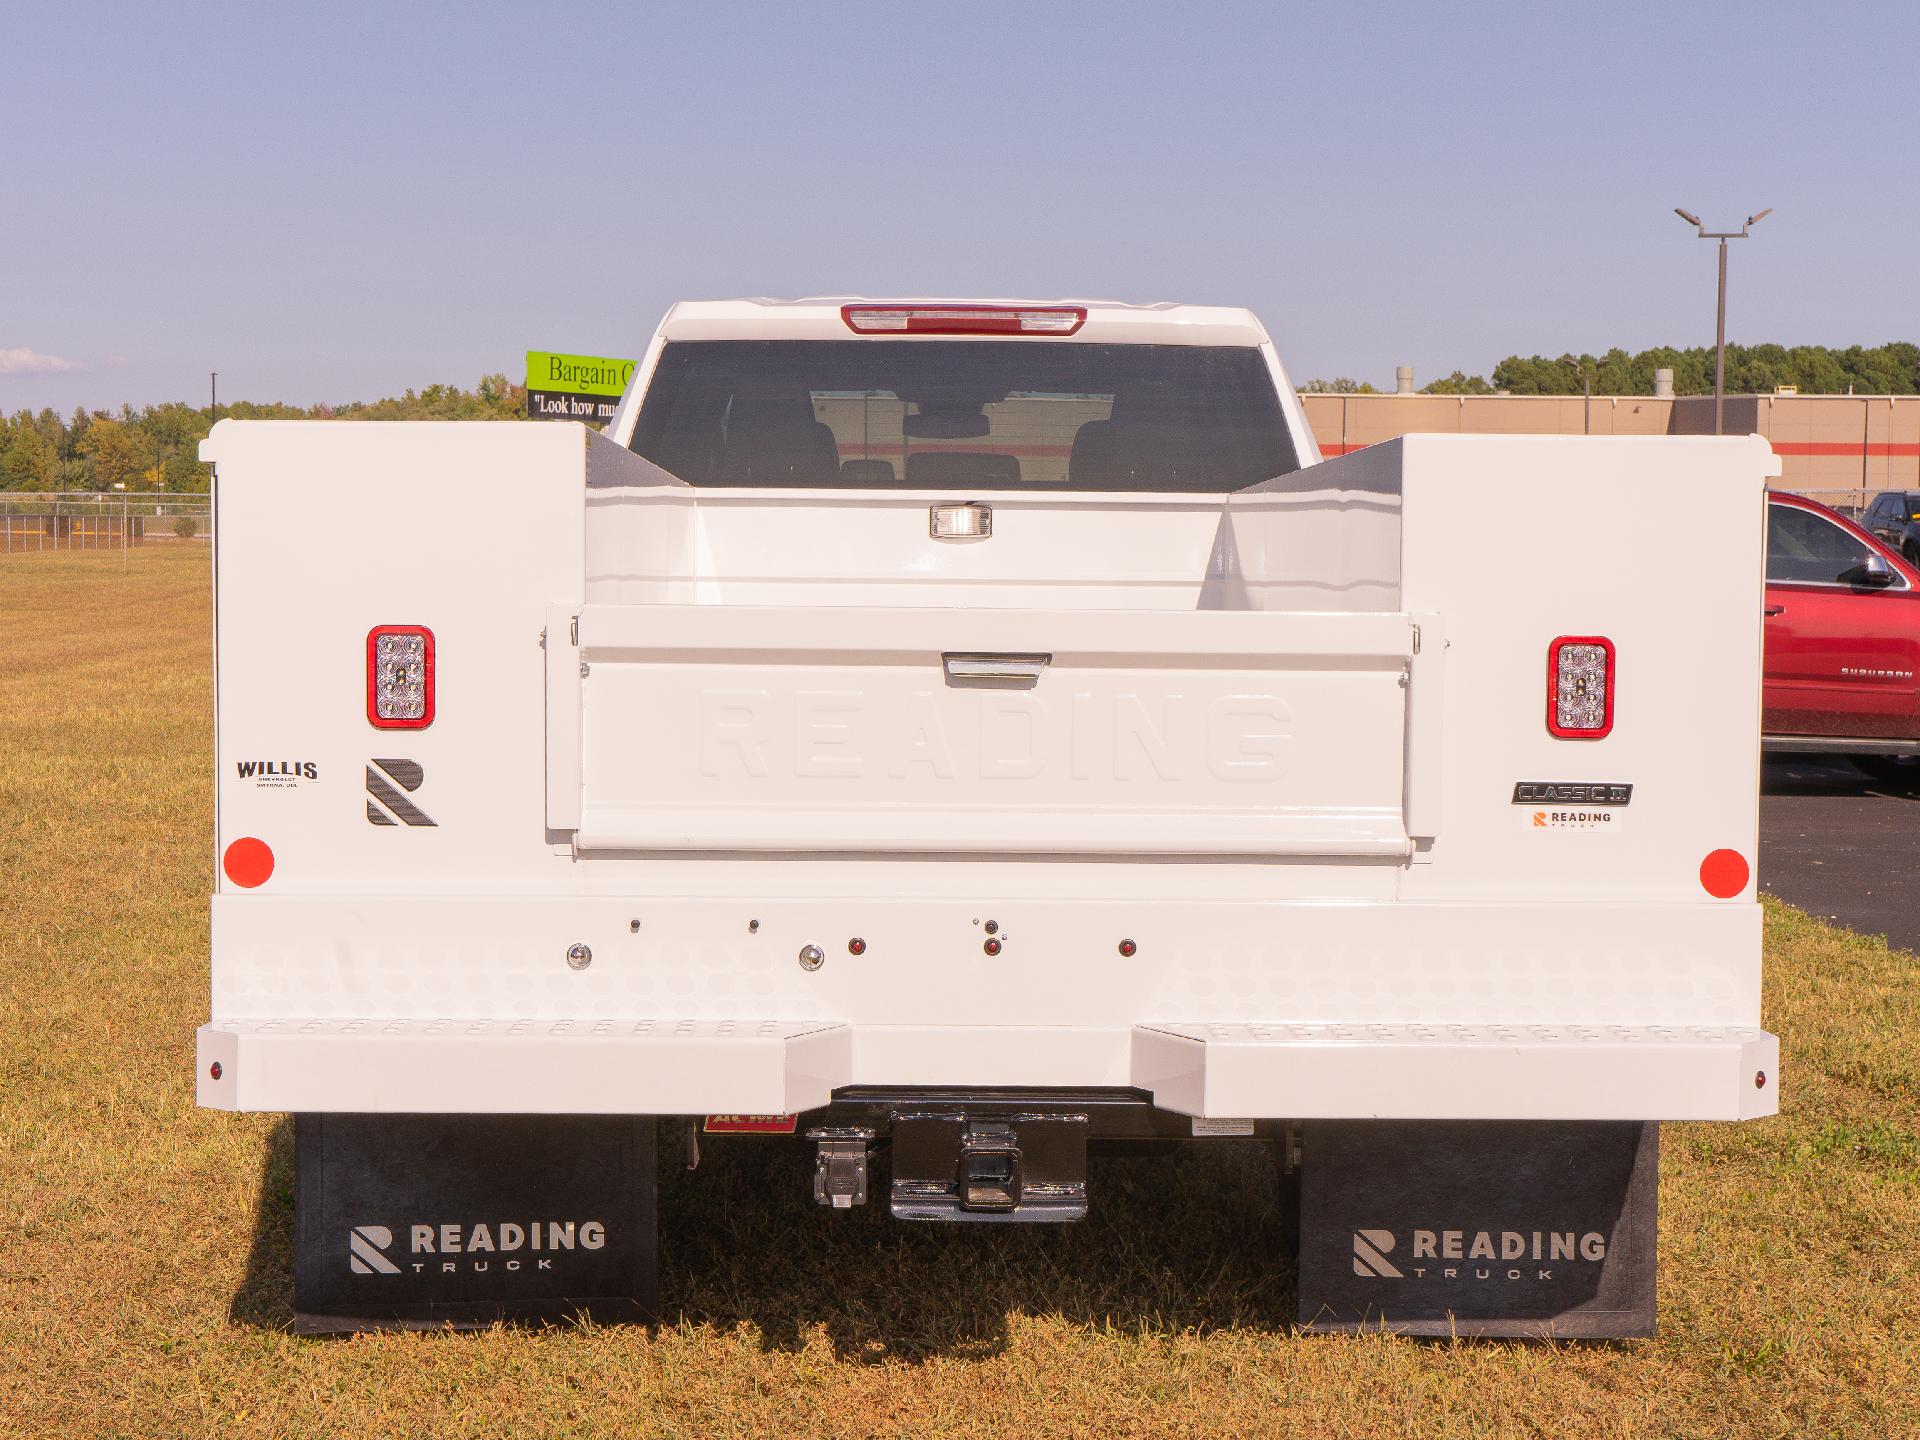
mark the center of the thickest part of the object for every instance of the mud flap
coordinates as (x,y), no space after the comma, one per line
(1514,1228)
(415,1221)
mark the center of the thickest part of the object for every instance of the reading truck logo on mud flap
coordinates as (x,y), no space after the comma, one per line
(1526,1255)
(470,1249)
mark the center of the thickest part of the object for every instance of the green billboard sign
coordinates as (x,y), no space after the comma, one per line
(575,387)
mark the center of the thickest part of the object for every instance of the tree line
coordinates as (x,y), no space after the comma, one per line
(1890,369)
(158,446)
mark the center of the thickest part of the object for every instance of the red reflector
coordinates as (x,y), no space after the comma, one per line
(1723,874)
(964,319)
(751,1124)
(248,862)
(1580,687)
(400,677)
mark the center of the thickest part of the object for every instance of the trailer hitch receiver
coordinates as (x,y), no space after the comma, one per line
(989,1179)
(1007,1167)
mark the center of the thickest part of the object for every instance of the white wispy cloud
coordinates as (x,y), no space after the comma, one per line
(22,361)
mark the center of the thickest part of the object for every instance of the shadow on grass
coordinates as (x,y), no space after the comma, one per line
(265,1296)
(1187,1241)
(1190,1240)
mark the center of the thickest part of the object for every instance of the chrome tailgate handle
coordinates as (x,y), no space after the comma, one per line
(994,669)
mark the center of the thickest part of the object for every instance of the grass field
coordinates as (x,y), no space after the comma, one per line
(144,1283)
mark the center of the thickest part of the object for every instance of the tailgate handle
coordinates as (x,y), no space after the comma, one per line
(994,669)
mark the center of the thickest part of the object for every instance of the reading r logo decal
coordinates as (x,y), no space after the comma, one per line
(385,804)
(1370,1249)
(364,1246)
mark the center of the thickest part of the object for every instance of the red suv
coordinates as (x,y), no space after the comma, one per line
(1842,641)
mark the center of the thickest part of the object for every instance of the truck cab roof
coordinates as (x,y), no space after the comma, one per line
(823,318)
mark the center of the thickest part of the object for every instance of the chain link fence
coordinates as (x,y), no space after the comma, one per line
(33,523)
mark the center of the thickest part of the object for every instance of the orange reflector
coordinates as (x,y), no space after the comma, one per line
(1724,874)
(248,862)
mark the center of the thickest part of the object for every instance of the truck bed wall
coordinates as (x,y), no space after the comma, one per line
(1656,543)
(480,531)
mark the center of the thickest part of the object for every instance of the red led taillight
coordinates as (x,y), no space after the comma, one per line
(1580,690)
(400,677)
(964,319)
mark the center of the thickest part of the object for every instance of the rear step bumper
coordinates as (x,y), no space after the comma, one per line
(1461,1072)
(1208,1071)
(524,1067)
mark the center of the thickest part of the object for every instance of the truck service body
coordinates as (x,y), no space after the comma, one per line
(975,729)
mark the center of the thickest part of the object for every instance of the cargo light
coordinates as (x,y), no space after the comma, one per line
(964,319)
(400,677)
(1580,687)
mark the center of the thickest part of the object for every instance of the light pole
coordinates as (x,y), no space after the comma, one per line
(1720,320)
(1586,392)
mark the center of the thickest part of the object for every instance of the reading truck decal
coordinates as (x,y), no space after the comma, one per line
(455,1249)
(1435,1253)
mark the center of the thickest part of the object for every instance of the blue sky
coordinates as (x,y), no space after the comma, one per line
(337,202)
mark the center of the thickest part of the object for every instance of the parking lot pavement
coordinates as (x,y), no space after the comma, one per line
(1841,846)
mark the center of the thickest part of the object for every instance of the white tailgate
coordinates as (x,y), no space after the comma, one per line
(721,727)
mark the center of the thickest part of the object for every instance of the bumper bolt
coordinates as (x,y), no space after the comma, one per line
(812,957)
(578,956)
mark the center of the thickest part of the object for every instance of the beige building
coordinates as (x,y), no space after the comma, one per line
(1839,449)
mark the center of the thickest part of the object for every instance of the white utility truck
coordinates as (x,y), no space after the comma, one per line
(952,734)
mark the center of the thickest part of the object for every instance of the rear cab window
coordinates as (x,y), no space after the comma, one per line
(964,414)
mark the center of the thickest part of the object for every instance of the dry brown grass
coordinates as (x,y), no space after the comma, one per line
(143,1269)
